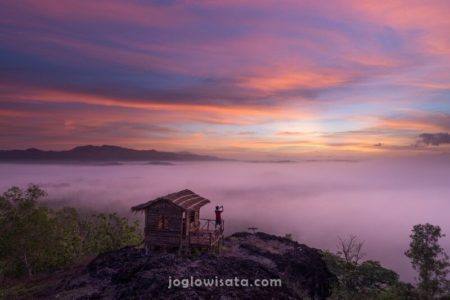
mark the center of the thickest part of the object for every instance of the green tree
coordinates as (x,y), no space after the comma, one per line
(366,280)
(357,279)
(430,260)
(35,238)
(66,236)
(399,291)
(24,227)
(103,232)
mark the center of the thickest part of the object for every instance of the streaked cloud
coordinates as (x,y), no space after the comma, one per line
(235,78)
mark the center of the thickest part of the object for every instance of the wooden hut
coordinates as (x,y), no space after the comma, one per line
(173,222)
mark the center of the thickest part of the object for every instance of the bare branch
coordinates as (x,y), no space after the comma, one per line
(350,249)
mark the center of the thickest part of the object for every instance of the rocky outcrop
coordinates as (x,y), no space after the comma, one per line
(130,274)
(301,267)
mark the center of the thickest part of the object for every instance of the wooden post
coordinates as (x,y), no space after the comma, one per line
(181,235)
(188,230)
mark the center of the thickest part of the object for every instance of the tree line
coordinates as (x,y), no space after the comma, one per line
(35,238)
(368,280)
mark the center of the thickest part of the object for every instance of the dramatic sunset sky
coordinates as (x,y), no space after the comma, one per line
(239,79)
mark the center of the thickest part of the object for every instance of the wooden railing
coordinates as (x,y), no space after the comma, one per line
(206,233)
(208,225)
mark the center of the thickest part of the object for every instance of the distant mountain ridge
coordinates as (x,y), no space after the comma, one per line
(100,153)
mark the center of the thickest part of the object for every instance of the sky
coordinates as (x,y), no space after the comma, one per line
(238,79)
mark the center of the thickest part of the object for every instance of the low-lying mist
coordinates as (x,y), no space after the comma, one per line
(379,201)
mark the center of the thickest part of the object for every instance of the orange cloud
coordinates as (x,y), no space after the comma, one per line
(289,80)
(202,112)
(419,126)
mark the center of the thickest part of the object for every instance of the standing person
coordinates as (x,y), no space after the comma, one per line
(219,210)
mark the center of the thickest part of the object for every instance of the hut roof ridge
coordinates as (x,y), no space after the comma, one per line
(186,199)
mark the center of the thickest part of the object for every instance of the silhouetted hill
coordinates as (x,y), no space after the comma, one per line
(99,153)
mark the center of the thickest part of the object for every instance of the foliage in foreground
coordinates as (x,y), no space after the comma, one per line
(357,279)
(370,281)
(35,238)
(430,260)
(367,280)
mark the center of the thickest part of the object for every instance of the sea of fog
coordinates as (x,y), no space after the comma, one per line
(378,200)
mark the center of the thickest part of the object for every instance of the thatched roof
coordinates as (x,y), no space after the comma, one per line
(186,199)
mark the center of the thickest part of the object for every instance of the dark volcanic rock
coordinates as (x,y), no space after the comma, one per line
(130,274)
(301,267)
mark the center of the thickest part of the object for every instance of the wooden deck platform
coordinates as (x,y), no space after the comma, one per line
(204,235)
